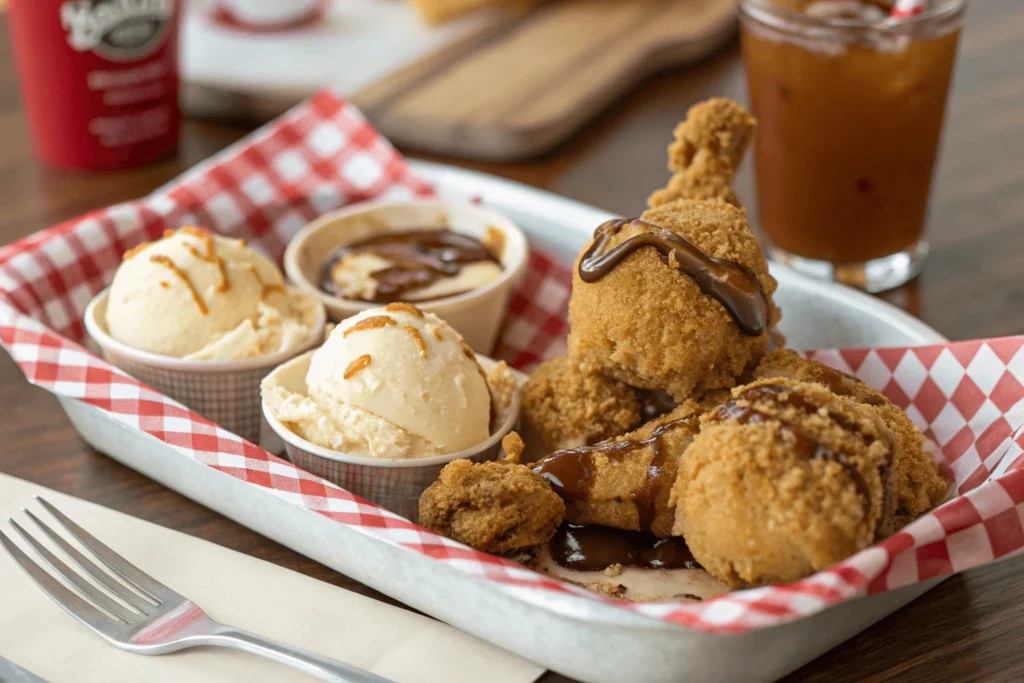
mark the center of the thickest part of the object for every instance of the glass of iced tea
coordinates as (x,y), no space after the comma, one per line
(850,104)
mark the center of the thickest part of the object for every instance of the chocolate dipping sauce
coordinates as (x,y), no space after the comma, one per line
(588,548)
(418,258)
(728,282)
(570,472)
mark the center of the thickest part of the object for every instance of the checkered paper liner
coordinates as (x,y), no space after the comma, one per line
(967,396)
(229,399)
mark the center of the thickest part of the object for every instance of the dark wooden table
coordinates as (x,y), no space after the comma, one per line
(967,629)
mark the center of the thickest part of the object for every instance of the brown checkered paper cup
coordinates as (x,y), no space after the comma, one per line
(391,483)
(224,392)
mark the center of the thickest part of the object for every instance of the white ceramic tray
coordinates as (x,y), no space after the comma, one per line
(580,638)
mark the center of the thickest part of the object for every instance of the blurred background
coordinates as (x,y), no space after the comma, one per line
(579,97)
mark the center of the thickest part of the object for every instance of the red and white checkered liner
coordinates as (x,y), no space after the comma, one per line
(966,396)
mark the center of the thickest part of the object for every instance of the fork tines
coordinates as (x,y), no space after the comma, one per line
(93,600)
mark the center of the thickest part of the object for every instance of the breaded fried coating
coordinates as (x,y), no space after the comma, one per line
(512,446)
(625,483)
(497,507)
(714,398)
(568,407)
(708,147)
(918,484)
(782,481)
(649,325)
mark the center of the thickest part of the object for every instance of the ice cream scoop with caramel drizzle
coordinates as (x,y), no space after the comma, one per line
(199,296)
(392,382)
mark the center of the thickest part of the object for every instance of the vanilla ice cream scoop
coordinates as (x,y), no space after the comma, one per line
(409,368)
(199,296)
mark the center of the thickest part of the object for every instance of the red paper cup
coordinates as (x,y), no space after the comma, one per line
(99,79)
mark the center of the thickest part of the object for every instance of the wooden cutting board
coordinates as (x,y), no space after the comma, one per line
(507,87)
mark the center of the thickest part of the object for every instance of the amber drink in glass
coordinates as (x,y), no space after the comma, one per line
(850,106)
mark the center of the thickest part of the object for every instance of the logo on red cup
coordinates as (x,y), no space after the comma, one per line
(120,30)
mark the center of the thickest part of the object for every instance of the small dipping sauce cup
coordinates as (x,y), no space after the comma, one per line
(478,314)
(850,110)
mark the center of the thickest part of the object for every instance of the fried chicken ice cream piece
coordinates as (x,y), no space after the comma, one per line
(783,480)
(625,482)
(918,485)
(679,300)
(567,407)
(497,507)
(706,152)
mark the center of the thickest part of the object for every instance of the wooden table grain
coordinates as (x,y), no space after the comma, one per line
(967,629)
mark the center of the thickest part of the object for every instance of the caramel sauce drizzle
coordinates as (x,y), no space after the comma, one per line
(265,288)
(357,365)
(209,255)
(134,251)
(402,307)
(183,276)
(374,322)
(728,282)
(418,339)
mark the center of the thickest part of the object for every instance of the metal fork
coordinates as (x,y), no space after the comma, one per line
(153,619)
(12,673)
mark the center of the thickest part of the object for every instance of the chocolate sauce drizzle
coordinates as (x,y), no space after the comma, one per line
(570,472)
(804,444)
(838,382)
(588,548)
(419,258)
(729,283)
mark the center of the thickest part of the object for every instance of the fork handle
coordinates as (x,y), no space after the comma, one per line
(324,668)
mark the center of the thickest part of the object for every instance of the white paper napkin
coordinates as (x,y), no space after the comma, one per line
(235,589)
